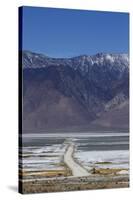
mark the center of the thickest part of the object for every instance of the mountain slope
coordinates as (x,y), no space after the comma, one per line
(115,119)
(62,94)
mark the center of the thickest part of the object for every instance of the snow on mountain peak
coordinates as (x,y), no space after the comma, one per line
(83,62)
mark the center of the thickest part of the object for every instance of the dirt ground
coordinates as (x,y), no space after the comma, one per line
(73,184)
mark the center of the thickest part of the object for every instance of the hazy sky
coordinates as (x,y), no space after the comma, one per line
(67,33)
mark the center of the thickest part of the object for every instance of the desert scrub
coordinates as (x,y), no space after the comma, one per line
(107,171)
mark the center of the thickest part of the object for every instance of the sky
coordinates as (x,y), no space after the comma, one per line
(67,33)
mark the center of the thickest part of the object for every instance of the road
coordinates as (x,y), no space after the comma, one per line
(77,169)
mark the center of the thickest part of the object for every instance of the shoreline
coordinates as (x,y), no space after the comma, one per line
(78,135)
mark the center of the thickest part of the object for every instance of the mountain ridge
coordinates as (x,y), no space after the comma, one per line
(92,59)
(73,92)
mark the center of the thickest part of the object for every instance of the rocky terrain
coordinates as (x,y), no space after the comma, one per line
(75,94)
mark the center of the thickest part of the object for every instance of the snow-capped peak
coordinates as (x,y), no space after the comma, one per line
(83,62)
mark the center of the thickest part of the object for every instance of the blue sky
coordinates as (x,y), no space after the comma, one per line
(67,33)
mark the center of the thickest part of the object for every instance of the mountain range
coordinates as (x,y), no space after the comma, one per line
(83,93)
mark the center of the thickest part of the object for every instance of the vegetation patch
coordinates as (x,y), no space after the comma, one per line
(106,171)
(46,173)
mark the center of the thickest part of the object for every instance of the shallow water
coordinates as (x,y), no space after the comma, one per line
(46,151)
